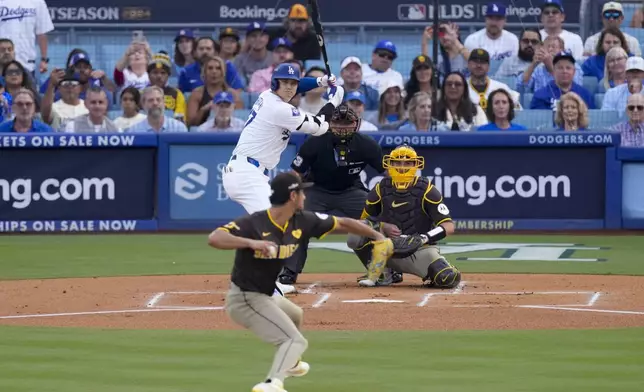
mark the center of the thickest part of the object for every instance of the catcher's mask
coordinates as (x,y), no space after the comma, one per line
(402,164)
(344,123)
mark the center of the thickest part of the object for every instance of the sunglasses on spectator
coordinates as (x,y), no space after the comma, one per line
(385,55)
(631,108)
(13,72)
(551,12)
(612,15)
(530,41)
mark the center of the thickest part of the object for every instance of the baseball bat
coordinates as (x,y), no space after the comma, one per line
(317,25)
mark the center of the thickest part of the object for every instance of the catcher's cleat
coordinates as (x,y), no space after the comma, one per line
(396,277)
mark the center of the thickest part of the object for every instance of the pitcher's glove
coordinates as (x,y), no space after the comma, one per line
(407,245)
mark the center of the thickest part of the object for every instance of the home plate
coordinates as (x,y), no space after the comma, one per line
(373,300)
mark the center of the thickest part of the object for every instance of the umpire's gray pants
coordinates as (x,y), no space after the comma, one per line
(275,320)
(349,203)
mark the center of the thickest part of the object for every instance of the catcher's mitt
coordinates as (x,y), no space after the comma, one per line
(407,245)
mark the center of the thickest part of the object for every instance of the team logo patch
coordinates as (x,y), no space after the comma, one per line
(321,216)
(298,161)
(295,112)
(297,233)
(442,208)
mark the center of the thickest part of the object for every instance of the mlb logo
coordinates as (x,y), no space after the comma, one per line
(412,12)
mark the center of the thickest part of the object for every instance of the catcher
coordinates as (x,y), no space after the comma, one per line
(410,210)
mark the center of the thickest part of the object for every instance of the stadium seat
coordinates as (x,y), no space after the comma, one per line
(509,80)
(535,119)
(601,119)
(527,98)
(591,83)
(599,99)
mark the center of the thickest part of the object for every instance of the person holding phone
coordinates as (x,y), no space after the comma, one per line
(452,54)
(131,69)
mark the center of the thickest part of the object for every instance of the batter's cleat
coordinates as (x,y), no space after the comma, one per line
(269,386)
(287,279)
(299,370)
(285,288)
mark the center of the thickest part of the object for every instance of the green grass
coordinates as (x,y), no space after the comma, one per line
(77,360)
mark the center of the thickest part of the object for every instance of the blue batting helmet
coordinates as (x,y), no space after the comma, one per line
(284,71)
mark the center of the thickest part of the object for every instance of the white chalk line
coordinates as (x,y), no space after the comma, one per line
(325,297)
(373,300)
(23,316)
(516,293)
(154,300)
(195,292)
(425,299)
(309,288)
(582,309)
(594,299)
(459,288)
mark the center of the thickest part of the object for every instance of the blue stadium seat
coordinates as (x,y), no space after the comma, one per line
(601,119)
(599,98)
(535,119)
(527,98)
(591,83)
(635,32)
(509,80)
(242,113)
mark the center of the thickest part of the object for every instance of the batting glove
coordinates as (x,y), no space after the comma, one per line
(327,81)
(335,95)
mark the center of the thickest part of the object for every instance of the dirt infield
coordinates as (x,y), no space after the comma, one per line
(333,302)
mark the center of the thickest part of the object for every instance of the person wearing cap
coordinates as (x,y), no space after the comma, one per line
(191,77)
(24,112)
(79,61)
(480,85)
(298,31)
(420,78)
(222,115)
(156,121)
(616,97)
(632,130)
(380,72)
(263,241)
(69,106)
(612,16)
(351,80)
(96,120)
(357,101)
(260,80)
(229,43)
(552,18)
(610,37)
(159,72)
(564,71)
(255,55)
(391,112)
(184,47)
(499,42)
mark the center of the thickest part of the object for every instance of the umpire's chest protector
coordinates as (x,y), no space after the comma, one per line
(404,208)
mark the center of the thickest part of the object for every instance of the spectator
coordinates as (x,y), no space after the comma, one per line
(7,53)
(24,22)
(500,113)
(69,106)
(480,85)
(132,68)
(612,16)
(313,101)
(298,31)
(528,43)
(16,78)
(452,54)
(454,110)
(191,77)
(356,100)
(614,69)
(572,113)
(96,120)
(351,80)
(564,73)
(391,110)
(260,81)
(256,55)
(498,42)
(5,102)
(552,18)
(79,62)
(130,103)
(632,130)
(24,110)
(616,97)
(184,48)
(229,43)
(159,72)
(540,72)
(223,119)
(420,113)
(609,38)
(156,121)
(201,99)
(420,78)
(379,73)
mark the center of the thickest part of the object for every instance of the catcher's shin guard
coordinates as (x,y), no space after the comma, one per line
(442,274)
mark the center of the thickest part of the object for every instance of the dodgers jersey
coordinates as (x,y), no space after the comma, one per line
(506,45)
(21,21)
(268,128)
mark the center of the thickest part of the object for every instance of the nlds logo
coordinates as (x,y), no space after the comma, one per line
(412,12)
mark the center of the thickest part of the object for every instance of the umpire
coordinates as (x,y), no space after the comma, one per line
(333,163)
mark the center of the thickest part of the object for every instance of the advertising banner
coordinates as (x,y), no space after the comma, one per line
(633,190)
(244,11)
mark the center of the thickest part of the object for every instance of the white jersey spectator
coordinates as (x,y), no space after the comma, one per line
(480,85)
(499,43)
(552,18)
(24,22)
(379,73)
(612,16)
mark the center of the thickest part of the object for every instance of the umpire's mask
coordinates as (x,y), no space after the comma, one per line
(402,164)
(344,124)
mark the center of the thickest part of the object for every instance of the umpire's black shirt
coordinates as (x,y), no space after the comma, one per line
(252,270)
(316,160)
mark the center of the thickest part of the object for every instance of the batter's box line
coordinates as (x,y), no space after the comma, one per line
(591,302)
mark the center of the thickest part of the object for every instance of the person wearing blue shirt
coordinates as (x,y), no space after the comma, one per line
(609,38)
(24,108)
(500,113)
(190,78)
(564,73)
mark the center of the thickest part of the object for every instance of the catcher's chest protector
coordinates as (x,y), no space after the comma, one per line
(405,209)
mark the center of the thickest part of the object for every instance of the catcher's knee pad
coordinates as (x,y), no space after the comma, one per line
(442,274)
(357,242)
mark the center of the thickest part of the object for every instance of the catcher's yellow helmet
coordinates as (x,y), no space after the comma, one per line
(402,164)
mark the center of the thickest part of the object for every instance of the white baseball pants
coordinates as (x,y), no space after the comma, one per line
(247,184)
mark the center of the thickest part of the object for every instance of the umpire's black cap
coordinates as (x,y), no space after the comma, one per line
(285,183)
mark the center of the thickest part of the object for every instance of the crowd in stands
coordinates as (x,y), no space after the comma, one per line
(486,81)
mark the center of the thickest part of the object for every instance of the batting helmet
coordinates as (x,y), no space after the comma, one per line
(284,71)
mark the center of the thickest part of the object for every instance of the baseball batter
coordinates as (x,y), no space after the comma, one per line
(266,135)
(411,208)
(264,241)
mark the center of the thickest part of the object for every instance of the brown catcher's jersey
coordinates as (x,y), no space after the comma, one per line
(255,272)
(414,210)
